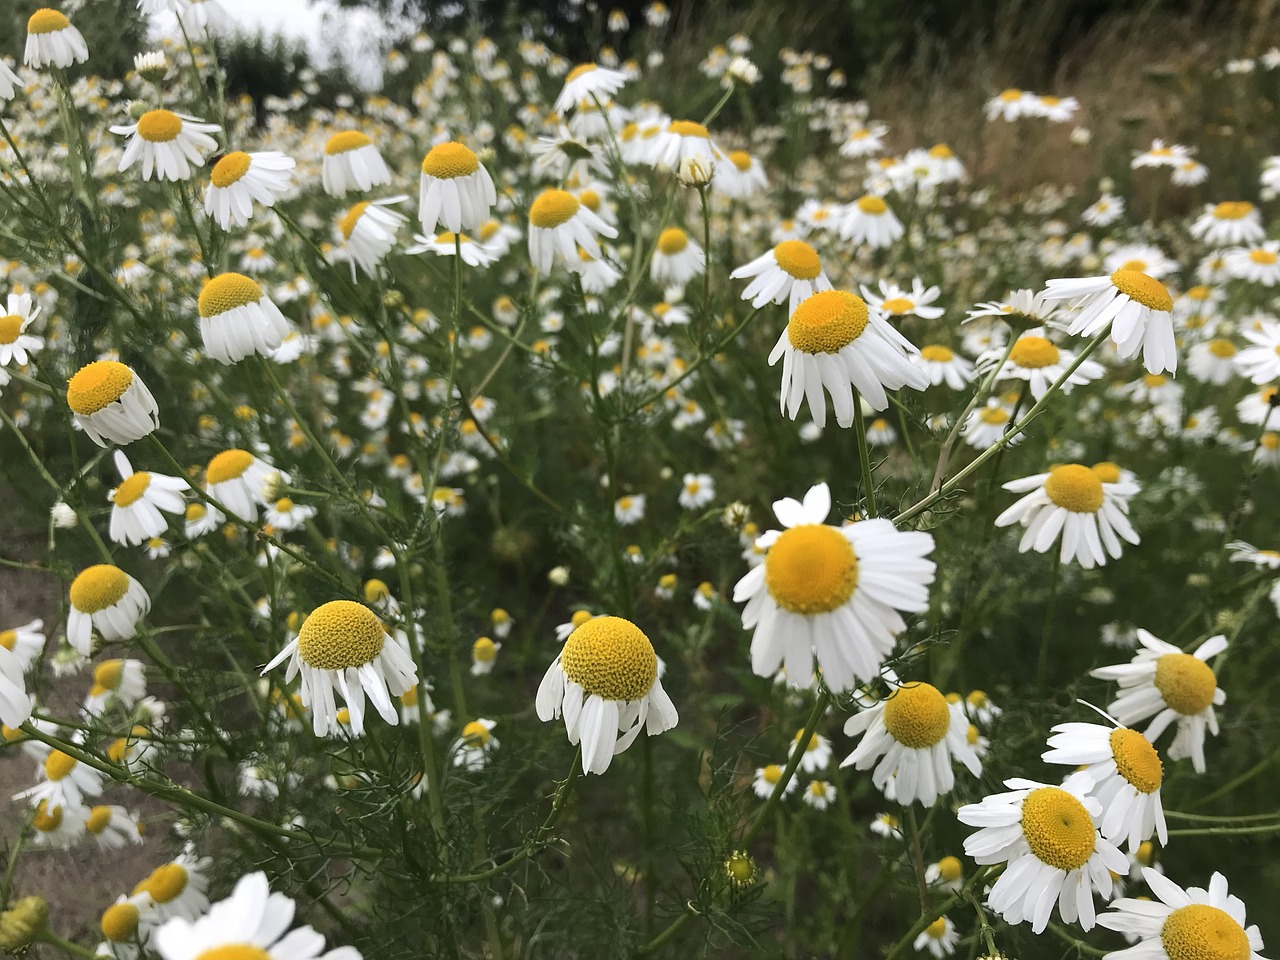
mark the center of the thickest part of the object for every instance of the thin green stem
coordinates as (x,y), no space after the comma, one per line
(864,456)
(917,857)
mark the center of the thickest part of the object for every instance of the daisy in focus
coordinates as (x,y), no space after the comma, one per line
(240,179)
(137,504)
(352,162)
(791,271)
(169,145)
(52,41)
(111,403)
(455,189)
(558,225)
(1138,308)
(106,599)
(238,319)
(1040,363)
(15,343)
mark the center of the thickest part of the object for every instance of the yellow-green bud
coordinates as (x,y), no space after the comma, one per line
(22,923)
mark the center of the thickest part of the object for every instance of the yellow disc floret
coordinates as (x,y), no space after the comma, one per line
(45,819)
(1075,488)
(1143,289)
(611,658)
(1034,353)
(166,883)
(1201,932)
(897,306)
(120,922)
(875,206)
(1058,828)
(226,292)
(740,159)
(811,569)
(108,674)
(937,928)
(552,208)
(159,126)
(132,488)
(827,321)
(687,128)
(99,587)
(1223,349)
(99,818)
(1186,683)
(228,465)
(672,240)
(58,765)
(917,715)
(45,20)
(8,639)
(476,734)
(1262,257)
(936,354)
(346,141)
(97,385)
(950,869)
(347,225)
(1106,471)
(484,650)
(446,161)
(341,634)
(798,259)
(230,169)
(1233,210)
(1137,760)
(580,70)
(10,327)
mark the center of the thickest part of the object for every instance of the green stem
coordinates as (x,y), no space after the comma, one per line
(917,857)
(864,456)
(66,946)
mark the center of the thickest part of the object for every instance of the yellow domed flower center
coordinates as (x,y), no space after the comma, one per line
(120,922)
(346,141)
(1223,349)
(159,126)
(811,569)
(1270,441)
(588,198)
(936,354)
(195,511)
(228,465)
(552,208)
(580,70)
(108,674)
(46,820)
(950,869)
(772,773)
(1058,828)
(917,715)
(9,639)
(1187,683)
(611,658)
(1137,760)
(798,259)
(940,151)
(740,159)
(132,488)
(227,291)
(875,206)
(1106,471)
(1143,289)
(580,617)
(937,928)
(445,161)
(687,128)
(347,225)
(1011,95)
(476,734)
(1201,932)
(1138,266)
(10,328)
(672,240)
(165,883)
(484,650)
(972,735)
(1233,210)
(97,385)
(410,697)
(1264,257)
(45,20)
(1146,854)
(827,321)
(897,306)
(1075,488)
(375,590)
(58,765)
(341,634)
(994,415)
(230,169)
(99,587)
(1034,353)
(99,817)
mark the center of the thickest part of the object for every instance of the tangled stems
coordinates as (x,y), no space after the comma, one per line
(949,443)
(938,910)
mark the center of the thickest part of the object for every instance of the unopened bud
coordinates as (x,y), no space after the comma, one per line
(64,518)
(695,171)
(22,923)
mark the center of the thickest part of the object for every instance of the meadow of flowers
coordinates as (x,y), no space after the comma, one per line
(558,516)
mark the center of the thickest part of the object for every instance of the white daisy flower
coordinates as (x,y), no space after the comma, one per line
(15,343)
(1258,264)
(685,146)
(241,483)
(766,780)
(831,592)
(816,756)
(912,737)
(938,938)
(558,225)
(116,679)
(352,162)
(696,490)
(988,424)
(1139,258)
(864,140)
(343,644)
(202,17)
(1039,362)
(946,874)
(677,259)
(1161,155)
(887,825)
(53,41)
(106,599)
(792,271)
(57,827)
(284,514)
(25,643)
(1010,105)
(1189,173)
(169,145)
(1048,837)
(1137,307)
(1104,211)
(1259,363)
(605,682)
(1167,685)
(629,509)
(240,179)
(472,749)
(1072,501)
(137,503)
(10,82)
(455,189)
(1261,408)
(15,702)
(741,177)
(834,344)
(368,232)
(200,518)
(943,365)
(1241,552)
(62,780)
(113,827)
(449,245)
(238,319)
(869,220)
(1213,361)
(897,302)
(111,403)
(1229,224)
(484,656)
(585,81)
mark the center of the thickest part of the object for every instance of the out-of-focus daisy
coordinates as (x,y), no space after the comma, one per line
(831,592)
(864,140)
(677,258)
(1136,305)
(15,343)
(629,509)
(1010,105)
(869,220)
(558,225)
(352,162)
(1238,551)
(52,41)
(605,682)
(25,643)
(15,702)
(1261,408)
(696,491)
(792,271)
(240,179)
(1261,362)
(1169,686)
(938,939)
(168,144)
(1213,361)
(816,754)
(447,244)
(1139,258)
(894,301)
(238,481)
(1160,154)
(585,81)
(116,679)
(1104,211)
(767,778)
(58,827)
(455,189)
(741,176)
(887,825)
(943,365)
(684,141)
(113,827)
(475,744)
(111,403)
(484,656)
(1189,173)
(947,873)
(285,514)
(368,232)
(1040,362)
(106,599)
(819,794)
(137,503)
(1258,264)
(988,424)
(238,319)
(1229,224)
(63,781)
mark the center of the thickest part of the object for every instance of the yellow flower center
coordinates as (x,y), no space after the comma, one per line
(580,617)
(811,569)
(1264,257)
(46,820)
(339,635)
(347,225)
(58,765)
(798,259)
(936,354)
(1143,289)
(227,465)
(346,141)
(10,327)
(580,70)
(897,306)
(740,159)
(410,697)
(1146,854)
(1201,932)
(230,169)
(9,639)
(1223,349)
(108,674)
(1106,471)
(1058,828)
(1270,441)
(1011,95)
(484,650)
(45,20)
(937,928)
(552,208)
(972,735)
(132,488)
(159,126)
(120,921)
(99,817)
(1075,488)
(687,128)
(940,151)
(672,240)
(1034,353)
(99,587)
(1186,683)
(772,773)
(611,658)
(475,734)
(97,385)
(446,161)
(1137,760)
(950,869)
(917,715)
(994,415)
(227,291)
(827,321)
(1233,210)
(813,744)
(875,206)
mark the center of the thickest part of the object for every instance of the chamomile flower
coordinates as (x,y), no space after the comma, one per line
(819,794)
(834,344)
(585,81)
(938,939)
(106,599)
(1160,154)
(238,319)
(686,147)
(1241,552)
(239,481)
(947,874)
(200,519)
(1170,687)
(455,189)
(137,504)
(816,755)
(1136,305)
(1213,361)
(741,176)
(767,778)
(484,656)
(1011,104)
(450,245)
(1229,224)
(887,825)
(1040,362)
(113,827)
(15,702)
(696,490)
(1261,408)
(943,365)
(472,749)
(677,259)
(988,424)
(831,592)
(285,514)
(10,82)
(894,301)
(864,140)
(63,781)
(15,343)
(1048,838)
(343,644)
(25,643)
(352,162)
(792,271)
(912,737)
(169,145)
(204,16)
(239,180)
(1260,362)
(116,679)
(1071,501)
(558,225)
(1139,258)
(629,509)
(111,403)
(605,683)
(869,220)
(58,827)
(1104,211)
(1257,264)
(368,231)
(52,41)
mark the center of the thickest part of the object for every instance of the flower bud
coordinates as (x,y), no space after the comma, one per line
(695,172)
(64,518)
(22,923)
